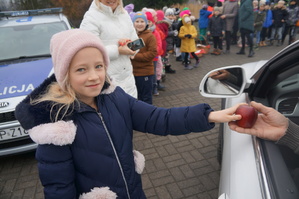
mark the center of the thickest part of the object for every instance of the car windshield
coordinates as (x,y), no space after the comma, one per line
(27,40)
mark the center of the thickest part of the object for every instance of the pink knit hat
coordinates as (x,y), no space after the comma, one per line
(64,45)
(160,15)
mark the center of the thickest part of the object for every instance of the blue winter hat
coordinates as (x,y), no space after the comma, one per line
(139,15)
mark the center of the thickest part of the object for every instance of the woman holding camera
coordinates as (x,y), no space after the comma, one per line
(113,25)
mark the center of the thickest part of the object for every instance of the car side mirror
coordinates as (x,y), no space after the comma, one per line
(223,83)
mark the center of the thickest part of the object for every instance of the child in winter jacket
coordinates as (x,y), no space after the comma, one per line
(259,18)
(290,27)
(163,25)
(188,33)
(266,25)
(280,16)
(152,27)
(203,23)
(83,124)
(216,29)
(143,66)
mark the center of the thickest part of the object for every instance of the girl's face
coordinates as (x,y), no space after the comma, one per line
(280,5)
(111,3)
(171,17)
(150,23)
(155,17)
(139,24)
(87,74)
(216,13)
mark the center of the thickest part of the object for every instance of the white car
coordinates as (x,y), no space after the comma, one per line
(25,62)
(252,168)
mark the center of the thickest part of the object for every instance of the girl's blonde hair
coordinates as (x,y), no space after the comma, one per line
(63,100)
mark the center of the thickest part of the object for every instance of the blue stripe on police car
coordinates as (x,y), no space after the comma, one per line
(21,78)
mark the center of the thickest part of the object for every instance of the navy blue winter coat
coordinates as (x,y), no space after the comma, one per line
(89,153)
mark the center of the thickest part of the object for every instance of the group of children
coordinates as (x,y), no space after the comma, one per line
(161,31)
(174,32)
(271,22)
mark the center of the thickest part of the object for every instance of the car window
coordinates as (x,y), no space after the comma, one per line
(27,40)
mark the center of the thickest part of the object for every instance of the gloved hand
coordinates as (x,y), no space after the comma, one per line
(188,36)
(175,33)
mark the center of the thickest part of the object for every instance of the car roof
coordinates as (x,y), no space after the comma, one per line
(12,18)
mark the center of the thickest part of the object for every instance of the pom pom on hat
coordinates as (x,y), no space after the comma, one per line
(169,11)
(129,8)
(150,17)
(64,45)
(177,11)
(139,15)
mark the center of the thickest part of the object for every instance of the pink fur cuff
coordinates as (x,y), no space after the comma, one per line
(59,133)
(99,193)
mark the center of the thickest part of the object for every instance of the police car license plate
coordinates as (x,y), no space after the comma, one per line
(12,133)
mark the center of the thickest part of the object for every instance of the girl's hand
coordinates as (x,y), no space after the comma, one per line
(226,115)
(125,50)
(123,42)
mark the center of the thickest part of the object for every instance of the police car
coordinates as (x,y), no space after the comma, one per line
(25,62)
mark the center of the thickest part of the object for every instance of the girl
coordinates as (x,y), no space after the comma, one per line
(84,125)
(188,34)
(216,29)
(143,65)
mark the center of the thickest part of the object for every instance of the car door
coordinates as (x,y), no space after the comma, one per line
(276,85)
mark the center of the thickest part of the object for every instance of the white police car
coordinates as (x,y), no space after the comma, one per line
(253,168)
(24,63)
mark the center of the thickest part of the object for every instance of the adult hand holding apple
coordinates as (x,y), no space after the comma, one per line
(270,124)
(249,115)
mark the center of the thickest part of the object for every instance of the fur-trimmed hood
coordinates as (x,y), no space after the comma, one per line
(30,115)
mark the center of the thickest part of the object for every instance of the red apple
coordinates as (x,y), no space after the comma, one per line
(249,116)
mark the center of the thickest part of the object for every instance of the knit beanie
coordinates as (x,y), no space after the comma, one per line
(129,8)
(160,15)
(216,9)
(132,14)
(64,45)
(177,11)
(169,11)
(281,2)
(185,12)
(205,7)
(150,17)
(139,15)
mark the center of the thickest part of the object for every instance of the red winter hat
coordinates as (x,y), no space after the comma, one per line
(160,15)
(149,16)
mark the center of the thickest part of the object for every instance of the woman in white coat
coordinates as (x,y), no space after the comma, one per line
(111,22)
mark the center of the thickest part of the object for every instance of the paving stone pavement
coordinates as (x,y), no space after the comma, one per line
(177,167)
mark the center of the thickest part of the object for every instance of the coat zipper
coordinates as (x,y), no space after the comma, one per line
(117,158)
